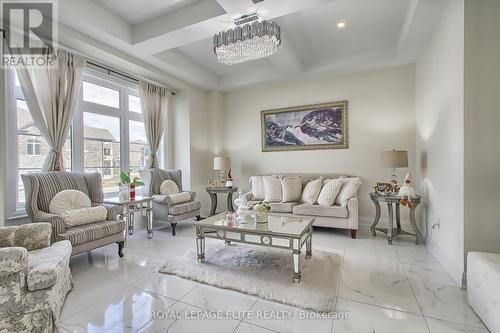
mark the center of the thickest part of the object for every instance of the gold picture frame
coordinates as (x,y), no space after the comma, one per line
(293,128)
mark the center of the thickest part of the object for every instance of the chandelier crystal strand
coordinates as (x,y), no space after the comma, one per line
(256,40)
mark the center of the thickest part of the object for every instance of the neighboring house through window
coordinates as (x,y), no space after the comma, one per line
(34,147)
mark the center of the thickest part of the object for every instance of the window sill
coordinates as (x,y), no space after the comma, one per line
(18,214)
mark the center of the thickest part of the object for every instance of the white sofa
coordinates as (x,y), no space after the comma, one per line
(483,287)
(324,216)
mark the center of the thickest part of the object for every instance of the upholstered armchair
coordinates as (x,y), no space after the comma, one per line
(163,207)
(40,188)
(34,278)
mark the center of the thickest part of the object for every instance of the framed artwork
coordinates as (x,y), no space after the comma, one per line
(317,126)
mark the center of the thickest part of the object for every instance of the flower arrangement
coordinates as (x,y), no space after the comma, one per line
(262,207)
(128,185)
(262,210)
(125,179)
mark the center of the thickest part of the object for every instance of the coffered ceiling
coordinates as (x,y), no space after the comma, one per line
(175,36)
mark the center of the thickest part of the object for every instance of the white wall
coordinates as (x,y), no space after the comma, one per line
(482,121)
(440,148)
(194,135)
(381,117)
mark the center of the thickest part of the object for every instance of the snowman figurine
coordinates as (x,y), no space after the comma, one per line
(406,192)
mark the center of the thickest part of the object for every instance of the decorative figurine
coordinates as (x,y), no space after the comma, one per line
(229,181)
(242,204)
(406,192)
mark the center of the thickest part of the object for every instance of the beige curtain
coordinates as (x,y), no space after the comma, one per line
(51,94)
(154,102)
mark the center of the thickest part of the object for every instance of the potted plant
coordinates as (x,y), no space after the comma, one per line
(262,210)
(128,185)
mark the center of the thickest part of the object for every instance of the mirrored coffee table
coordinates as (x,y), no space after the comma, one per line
(286,233)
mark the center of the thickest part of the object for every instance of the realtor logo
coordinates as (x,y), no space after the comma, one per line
(30,31)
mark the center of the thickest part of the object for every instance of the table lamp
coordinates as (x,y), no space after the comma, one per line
(223,164)
(394,159)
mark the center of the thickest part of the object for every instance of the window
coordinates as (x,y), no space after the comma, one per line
(108,132)
(114,137)
(101,95)
(102,148)
(30,147)
(34,147)
(134,104)
(138,145)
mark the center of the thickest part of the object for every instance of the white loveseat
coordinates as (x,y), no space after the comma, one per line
(324,216)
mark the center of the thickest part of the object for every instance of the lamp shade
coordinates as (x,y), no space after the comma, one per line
(395,159)
(222,163)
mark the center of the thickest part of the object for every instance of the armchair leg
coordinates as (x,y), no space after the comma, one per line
(120,248)
(353,233)
(173,228)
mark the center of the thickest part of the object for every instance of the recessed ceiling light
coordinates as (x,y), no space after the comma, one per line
(341,25)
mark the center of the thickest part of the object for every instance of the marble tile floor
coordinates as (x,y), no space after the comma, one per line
(399,288)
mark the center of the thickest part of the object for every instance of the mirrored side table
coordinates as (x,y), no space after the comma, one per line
(213,191)
(129,207)
(390,231)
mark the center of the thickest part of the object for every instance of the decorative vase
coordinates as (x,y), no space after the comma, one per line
(132,191)
(261,217)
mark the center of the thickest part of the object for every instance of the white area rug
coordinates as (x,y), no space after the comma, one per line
(264,272)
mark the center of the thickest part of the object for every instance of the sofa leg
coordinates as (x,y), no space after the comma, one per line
(173,228)
(120,248)
(198,218)
(353,233)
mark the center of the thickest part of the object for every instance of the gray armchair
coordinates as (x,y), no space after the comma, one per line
(34,278)
(163,208)
(40,188)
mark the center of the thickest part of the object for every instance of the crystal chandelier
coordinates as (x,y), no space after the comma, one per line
(251,39)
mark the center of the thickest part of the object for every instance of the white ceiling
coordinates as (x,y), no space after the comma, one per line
(175,36)
(137,11)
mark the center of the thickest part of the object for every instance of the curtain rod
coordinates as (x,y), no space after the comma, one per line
(107,69)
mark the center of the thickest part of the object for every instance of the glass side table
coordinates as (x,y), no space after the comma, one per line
(129,207)
(391,232)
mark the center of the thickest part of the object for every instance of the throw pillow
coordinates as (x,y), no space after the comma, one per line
(329,192)
(292,188)
(178,198)
(169,187)
(258,192)
(84,216)
(349,190)
(68,200)
(272,188)
(311,191)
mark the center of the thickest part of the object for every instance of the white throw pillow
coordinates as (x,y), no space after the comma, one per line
(292,188)
(68,200)
(258,192)
(85,216)
(272,188)
(349,190)
(169,187)
(178,198)
(311,191)
(329,192)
